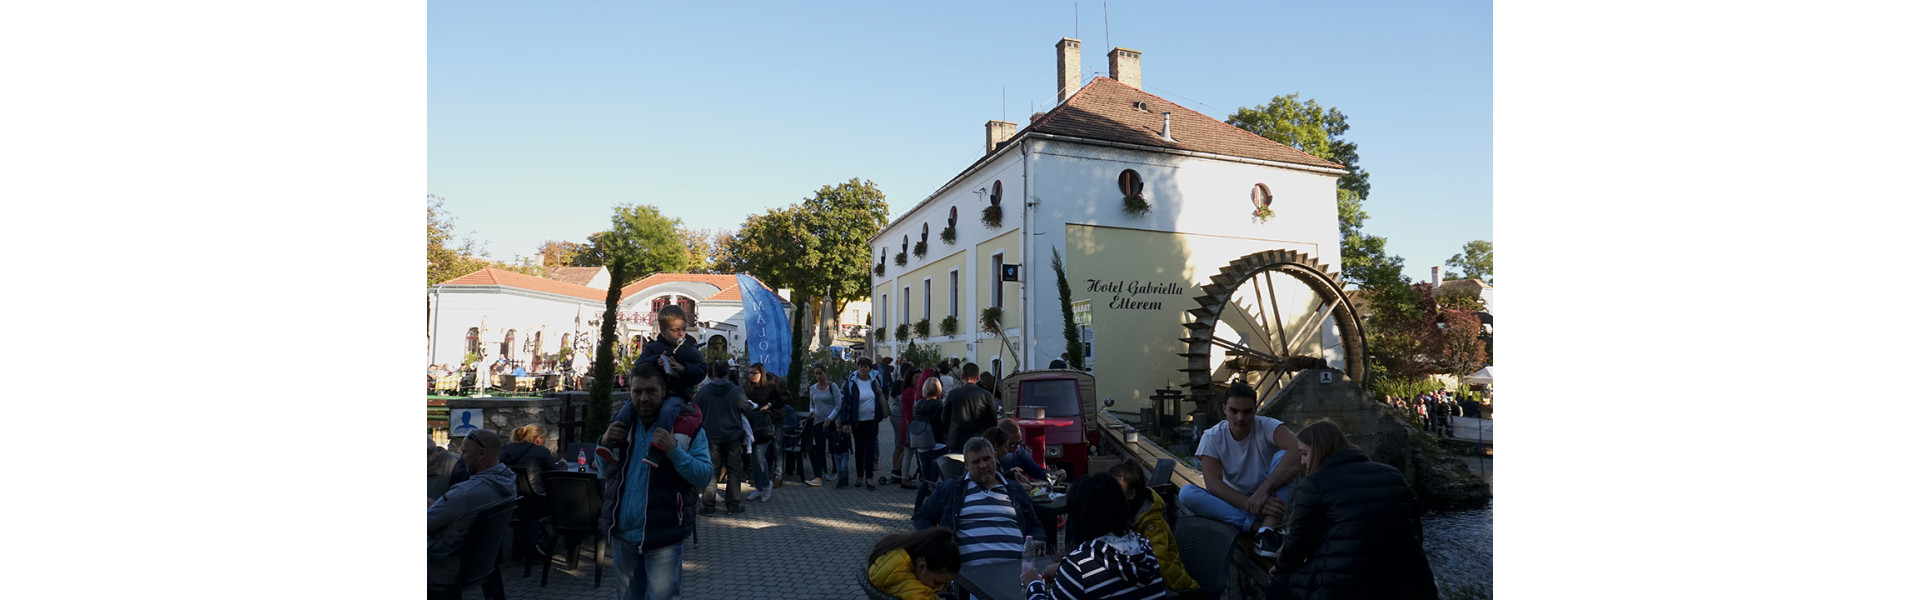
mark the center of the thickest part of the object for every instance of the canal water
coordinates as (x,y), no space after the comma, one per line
(1460,550)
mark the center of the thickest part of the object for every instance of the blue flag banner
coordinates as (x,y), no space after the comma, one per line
(769,338)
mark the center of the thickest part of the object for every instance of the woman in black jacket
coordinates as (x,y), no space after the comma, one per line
(1353,529)
(529,452)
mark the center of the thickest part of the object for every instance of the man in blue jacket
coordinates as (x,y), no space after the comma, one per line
(649,510)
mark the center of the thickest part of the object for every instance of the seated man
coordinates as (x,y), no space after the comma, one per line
(1241,460)
(990,518)
(439,470)
(449,517)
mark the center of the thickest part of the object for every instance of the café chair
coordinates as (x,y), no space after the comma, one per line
(873,593)
(529,519)
(1205,545)
(574,498)
(480,554)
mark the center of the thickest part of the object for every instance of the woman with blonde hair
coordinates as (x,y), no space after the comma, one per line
(529,452)
(1354,527)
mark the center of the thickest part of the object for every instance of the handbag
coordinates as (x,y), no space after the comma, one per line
(762,423)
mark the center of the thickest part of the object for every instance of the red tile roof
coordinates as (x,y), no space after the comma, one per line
(574,275)
(729,286)
(1105,110)
(527,282)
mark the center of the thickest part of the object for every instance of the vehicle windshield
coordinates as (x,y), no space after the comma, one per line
(1060,396)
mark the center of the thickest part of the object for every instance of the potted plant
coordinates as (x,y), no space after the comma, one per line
(990,320)
(948,235)
(920,249)
(880,336)
(949,325)
(880,269)
(1262,213)
(900,258)
(901,332)
(922,328)
(1135,204)
(990,216)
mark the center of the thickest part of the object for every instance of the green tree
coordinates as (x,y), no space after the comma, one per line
(556,253)
(648,240)
(600,395)
(817,248)
(1075,356)
(448,258)
(1475,262)
(1308,127)
(700,250)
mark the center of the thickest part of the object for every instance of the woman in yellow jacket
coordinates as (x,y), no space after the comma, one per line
(914,565)
(1150,522)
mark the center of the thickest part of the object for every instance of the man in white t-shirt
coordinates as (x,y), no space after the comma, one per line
(1247,480)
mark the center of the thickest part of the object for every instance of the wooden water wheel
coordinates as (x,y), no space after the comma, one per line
(1239,331)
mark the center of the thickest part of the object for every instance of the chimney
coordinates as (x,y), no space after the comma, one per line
(1166,126)
(1436,278)
(998,132)
(1124,65)
(1068,67)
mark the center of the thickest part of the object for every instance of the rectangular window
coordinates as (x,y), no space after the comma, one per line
(1086,345)
(906,305)
(953,292)
(884,323)
(999,301)
(926,298)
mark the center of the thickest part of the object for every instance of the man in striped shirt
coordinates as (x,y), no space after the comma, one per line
(990,519)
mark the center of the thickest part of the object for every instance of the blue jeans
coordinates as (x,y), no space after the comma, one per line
(761,480)
(1205,504)
(659,580)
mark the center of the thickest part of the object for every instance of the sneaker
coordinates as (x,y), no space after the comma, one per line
(815,482)
(754,496)
(735,510)
(870,486)
(841,484)
(767,495)
(1266,543)
(607,454)
(708,511)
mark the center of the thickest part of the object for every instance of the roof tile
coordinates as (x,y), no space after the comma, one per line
(1105,109)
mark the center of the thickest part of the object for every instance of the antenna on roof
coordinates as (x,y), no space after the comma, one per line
(1107,23)
(1076,20)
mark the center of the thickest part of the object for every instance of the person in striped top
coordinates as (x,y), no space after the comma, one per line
(1114,563)
(990,518)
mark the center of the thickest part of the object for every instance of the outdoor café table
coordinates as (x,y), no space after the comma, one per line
(997,580)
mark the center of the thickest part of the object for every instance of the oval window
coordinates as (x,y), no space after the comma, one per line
(1130,184)
(995,198)
(953,216)
(923,233)
(1261,197)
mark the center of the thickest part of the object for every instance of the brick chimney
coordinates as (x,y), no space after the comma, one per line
(1067,67)
(1124,65)
(1436,278)
(998,132)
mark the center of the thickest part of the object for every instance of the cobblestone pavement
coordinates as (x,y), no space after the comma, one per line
(804,543)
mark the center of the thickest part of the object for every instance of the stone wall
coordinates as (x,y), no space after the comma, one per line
(1441,480)
(503,415)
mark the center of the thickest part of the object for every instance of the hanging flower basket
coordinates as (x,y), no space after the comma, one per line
(990,320)
(880,269)
(949,325)
(922,328)
(920,249)
(1135,204)
(948,235)
(902,332)
(990,216)
(1262,213)
(900,258)
(880,336)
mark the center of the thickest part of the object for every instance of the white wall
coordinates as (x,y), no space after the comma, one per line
(502,309)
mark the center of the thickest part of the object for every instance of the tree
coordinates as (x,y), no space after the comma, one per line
(1412,334)
(1075,357)
(817,248)
(555,254)
(648,240)
(600,395)
(447,259)
(1475,261)
(723,259)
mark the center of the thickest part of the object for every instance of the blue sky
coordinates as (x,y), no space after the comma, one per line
(542,116)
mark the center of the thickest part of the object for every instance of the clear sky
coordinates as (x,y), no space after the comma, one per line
(542,116)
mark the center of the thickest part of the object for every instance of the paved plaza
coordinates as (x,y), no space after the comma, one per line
(805,543)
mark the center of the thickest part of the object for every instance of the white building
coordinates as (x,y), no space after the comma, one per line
(1060,184)
(493,312)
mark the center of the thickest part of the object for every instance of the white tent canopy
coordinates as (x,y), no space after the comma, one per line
(1483,376)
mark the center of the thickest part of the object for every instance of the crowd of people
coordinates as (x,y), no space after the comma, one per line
(1336,524)
(1435,411)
